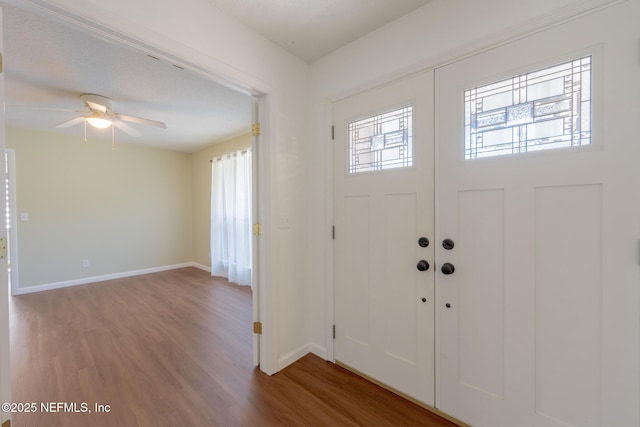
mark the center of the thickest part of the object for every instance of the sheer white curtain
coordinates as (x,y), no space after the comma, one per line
(231,217)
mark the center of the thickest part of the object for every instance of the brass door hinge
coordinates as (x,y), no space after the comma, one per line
(257,229)
(1,63)
(3,247)
(257,328)
(255,129)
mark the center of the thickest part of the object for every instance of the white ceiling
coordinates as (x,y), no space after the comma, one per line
(50,65)
(311,29)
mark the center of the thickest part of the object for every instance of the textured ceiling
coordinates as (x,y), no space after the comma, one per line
(51,65)
(311,29)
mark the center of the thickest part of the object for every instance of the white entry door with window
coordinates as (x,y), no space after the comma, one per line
(384,304)
(538,190)
(537,230)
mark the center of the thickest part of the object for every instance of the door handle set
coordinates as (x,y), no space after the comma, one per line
(423,265)
(446,269)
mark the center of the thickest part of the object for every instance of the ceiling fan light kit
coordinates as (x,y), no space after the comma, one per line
(98,120)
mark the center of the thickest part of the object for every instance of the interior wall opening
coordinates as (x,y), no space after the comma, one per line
(121,145)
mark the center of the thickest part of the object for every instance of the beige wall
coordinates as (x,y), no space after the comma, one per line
(201,188)
(129,209)
(122,210)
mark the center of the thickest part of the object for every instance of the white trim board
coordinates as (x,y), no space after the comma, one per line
(300,352)
(94,279)
(13,213)
(293,356)
(201,266)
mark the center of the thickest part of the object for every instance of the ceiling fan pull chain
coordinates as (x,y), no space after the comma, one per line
(113,138)
(85,131)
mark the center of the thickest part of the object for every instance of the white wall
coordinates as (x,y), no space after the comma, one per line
(432,35)
(204,38)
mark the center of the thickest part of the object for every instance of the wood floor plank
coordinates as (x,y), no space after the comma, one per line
(175,349)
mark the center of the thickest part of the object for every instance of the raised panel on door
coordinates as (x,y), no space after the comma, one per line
(480,301)
(568,304)
(383,205)
(355,324)
(538,330)
(399,322)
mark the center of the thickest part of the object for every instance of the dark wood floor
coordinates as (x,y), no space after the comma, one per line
(174,349)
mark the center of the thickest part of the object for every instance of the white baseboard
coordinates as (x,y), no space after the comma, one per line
(86,280)
(300,353)
(201,266)
(293,356)
(319,351)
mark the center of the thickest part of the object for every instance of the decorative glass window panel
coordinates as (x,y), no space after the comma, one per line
(384,141)
(545,109)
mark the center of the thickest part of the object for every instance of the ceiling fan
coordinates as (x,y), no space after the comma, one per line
(102,116)
(99,114)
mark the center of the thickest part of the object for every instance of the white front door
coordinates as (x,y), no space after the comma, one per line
(538,325)
(384,305)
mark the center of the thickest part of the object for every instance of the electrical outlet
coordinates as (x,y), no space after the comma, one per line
(85,263)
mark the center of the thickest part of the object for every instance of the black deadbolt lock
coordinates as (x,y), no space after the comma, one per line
(447,268)
(423,265)
(448,244)
(423,242)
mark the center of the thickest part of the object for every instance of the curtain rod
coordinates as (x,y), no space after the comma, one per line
(229,155)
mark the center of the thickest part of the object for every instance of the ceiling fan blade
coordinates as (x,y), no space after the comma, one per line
(96,107)
(126,128)
(141,121)
(71,122)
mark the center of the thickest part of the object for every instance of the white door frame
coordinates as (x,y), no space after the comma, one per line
(221,74)
(5,354)
(13,214)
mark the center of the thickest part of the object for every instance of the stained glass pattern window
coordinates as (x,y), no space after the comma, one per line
(545,109)
(381,142)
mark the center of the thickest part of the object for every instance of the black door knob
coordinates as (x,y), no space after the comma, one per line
(423,242)
(423,265)
(447,268)
(448,244)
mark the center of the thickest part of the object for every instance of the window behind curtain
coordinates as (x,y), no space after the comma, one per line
(231,217)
